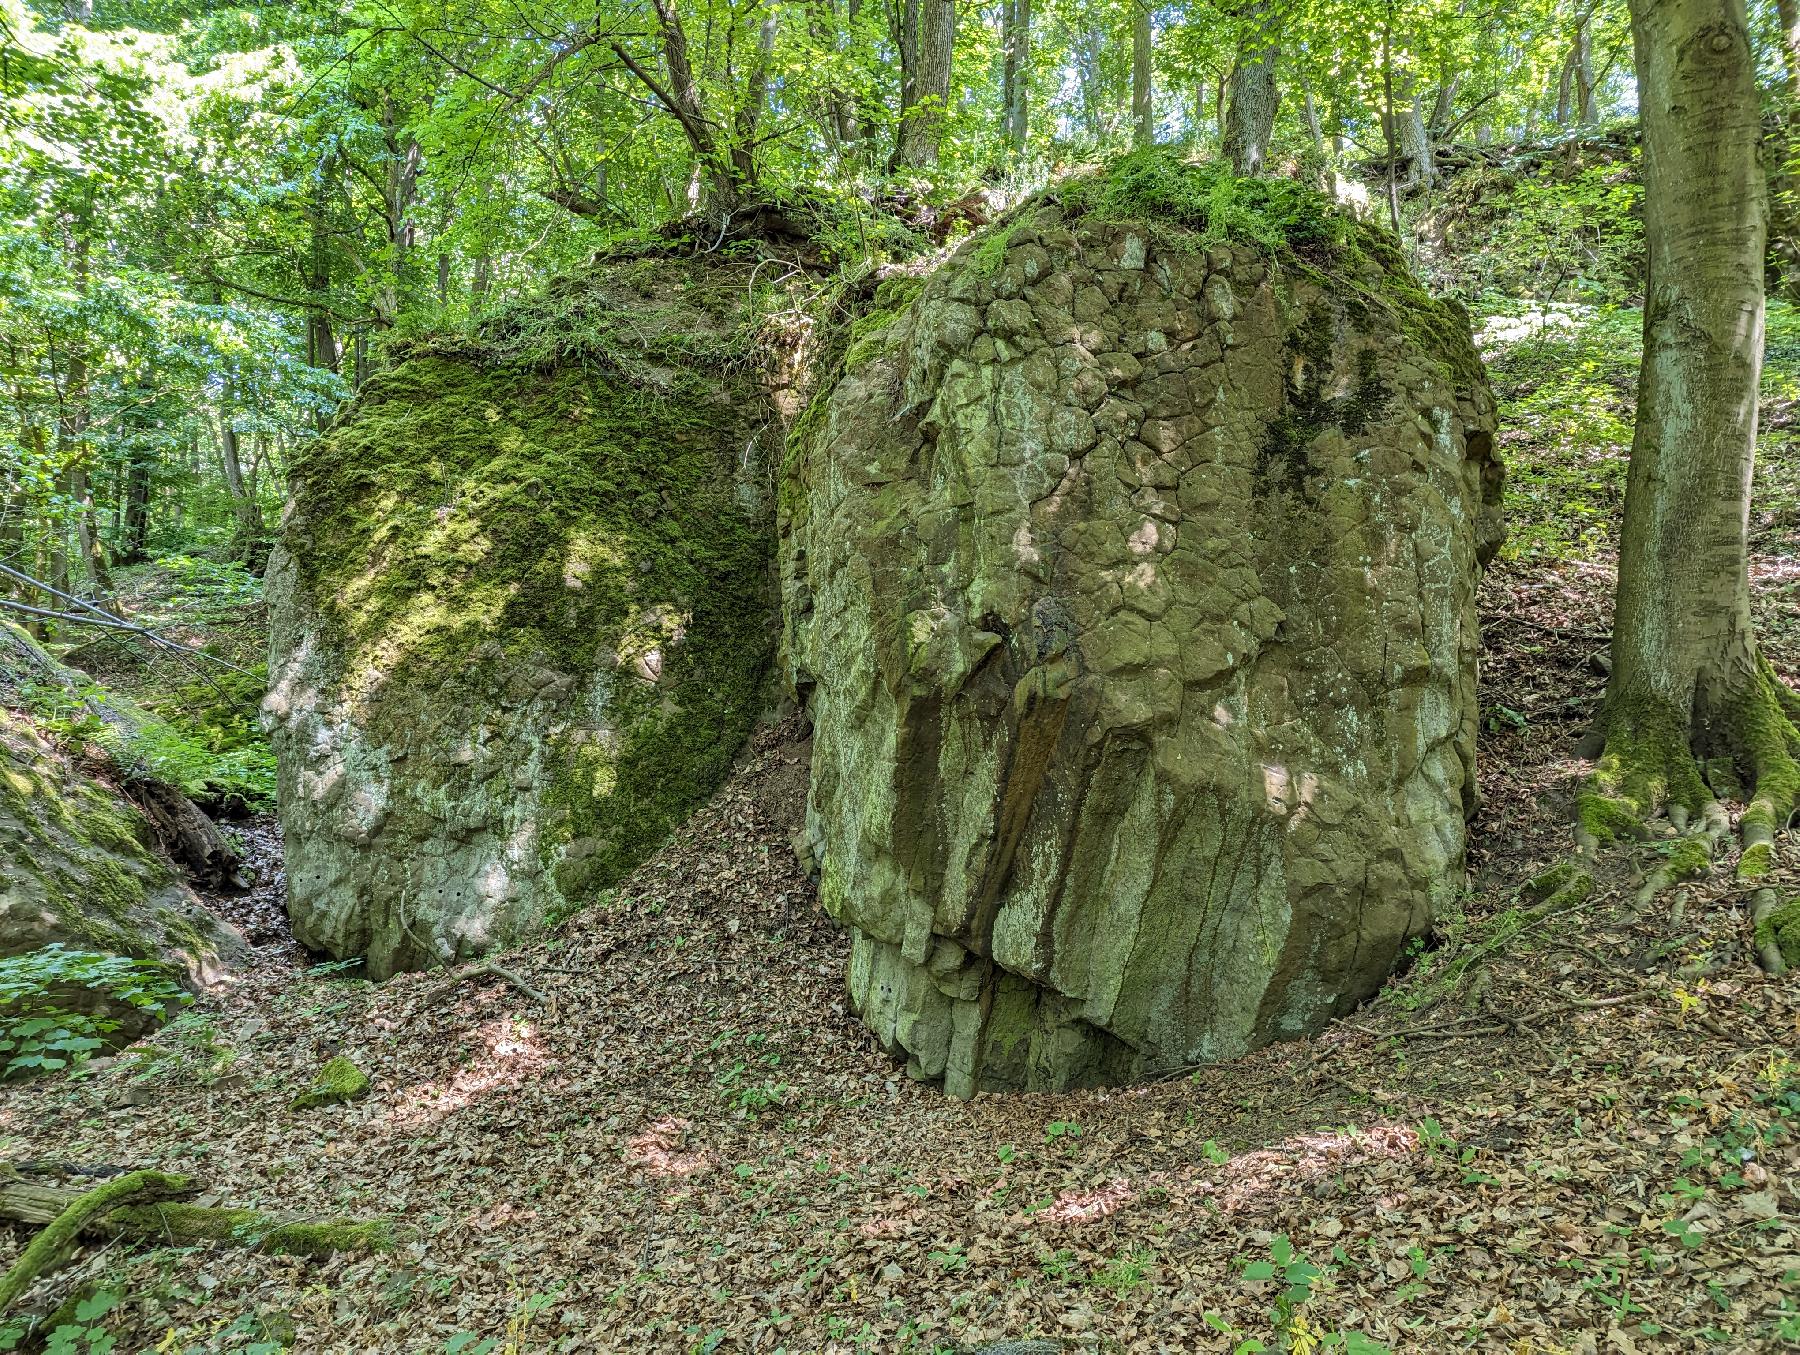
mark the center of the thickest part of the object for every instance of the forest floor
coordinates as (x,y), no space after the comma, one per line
(1573,1132)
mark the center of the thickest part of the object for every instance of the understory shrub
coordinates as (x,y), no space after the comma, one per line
(42,1028)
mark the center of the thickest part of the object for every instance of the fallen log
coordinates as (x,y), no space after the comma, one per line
(174,1221)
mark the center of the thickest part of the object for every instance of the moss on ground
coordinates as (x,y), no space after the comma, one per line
(338,1082)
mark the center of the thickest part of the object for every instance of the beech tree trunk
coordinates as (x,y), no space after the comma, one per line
(1143,110)
(1324,173)
(1687,679)
(925,92)
(1255,98)
(244,506)
(1015,74)
(718,179)
(1788,12)
(1585,94)
(1415,139)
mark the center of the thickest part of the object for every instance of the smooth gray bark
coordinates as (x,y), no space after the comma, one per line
(1143,108)
(1685,665)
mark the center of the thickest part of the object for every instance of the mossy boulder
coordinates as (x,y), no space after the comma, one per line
(1130,577)
(522,611)
(339,1082)
(77,868)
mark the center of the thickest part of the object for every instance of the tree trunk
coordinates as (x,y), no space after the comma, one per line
(750,108)
(1015,75)
(1687,678)
(1143,108)
(136,533)
(1388,131)
(1585,94)
(1443,106)
(721,190)
(1788,12)
(1255,99)
(1415,140)
(1324,172)
(244,506)
(921,122)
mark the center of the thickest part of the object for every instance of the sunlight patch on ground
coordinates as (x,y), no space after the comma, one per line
(661,1150)
(1089,1206)
(513,1055)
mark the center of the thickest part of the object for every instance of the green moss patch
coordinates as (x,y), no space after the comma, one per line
(1782,928)
(568,509)
(1186,206)
(340,1081)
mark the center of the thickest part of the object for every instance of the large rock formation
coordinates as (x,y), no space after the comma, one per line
(1130,572)
(522,612)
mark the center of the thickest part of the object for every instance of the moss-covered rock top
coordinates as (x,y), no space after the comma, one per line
(535,485)
(339,1081)
(1187,206)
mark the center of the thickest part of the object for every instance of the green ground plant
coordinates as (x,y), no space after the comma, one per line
(42,1025)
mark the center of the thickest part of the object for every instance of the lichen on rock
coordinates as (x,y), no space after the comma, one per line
(1129,574)
(522,611)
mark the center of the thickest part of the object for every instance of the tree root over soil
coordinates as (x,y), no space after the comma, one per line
(1652,764)
(116,1209)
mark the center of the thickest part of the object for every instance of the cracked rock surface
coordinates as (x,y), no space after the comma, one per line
(1130,580)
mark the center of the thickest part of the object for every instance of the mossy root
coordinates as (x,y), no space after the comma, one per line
(1688,857)
(80,1210)
(115,1216)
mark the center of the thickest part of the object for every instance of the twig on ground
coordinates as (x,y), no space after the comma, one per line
(488,967)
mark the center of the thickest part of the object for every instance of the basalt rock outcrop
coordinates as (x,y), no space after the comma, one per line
(1129,570)
(522,612)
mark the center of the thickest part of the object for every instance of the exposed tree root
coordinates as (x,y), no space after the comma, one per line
(106,1211)
(1652,763)
(1765,911)
(487,968)
(79,1208)
(1689,857)
(1770,744)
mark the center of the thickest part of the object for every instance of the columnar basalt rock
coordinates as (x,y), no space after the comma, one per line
(522,613)
(1130,576)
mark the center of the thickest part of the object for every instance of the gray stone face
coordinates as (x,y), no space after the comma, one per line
(1131,585)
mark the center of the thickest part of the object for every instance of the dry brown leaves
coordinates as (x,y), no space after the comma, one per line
(695,1143)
